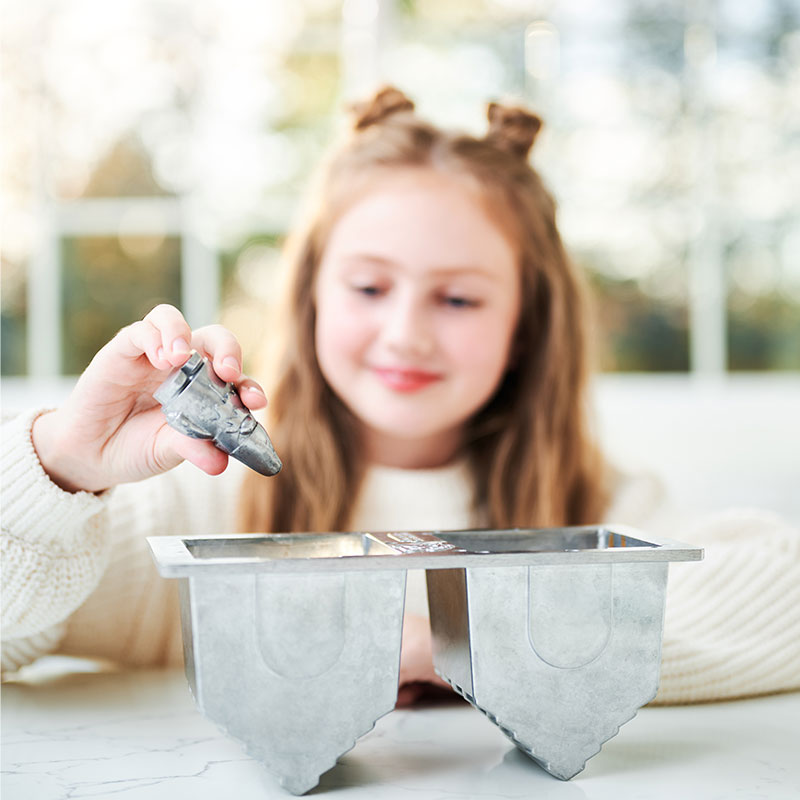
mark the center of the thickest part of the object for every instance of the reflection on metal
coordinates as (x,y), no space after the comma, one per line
(292,641)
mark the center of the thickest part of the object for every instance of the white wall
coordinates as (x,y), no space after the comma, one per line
(731,442)
(715,444)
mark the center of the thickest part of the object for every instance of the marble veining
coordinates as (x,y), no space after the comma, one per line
(137,735)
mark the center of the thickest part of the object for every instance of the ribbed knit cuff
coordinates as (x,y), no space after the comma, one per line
(732,626)
(54,544)
(31,501)
(19,652)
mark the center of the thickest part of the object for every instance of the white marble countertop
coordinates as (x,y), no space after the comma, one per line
(137,735)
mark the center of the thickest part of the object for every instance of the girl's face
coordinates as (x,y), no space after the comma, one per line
(417,301)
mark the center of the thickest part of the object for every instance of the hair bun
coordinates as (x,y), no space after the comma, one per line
(382,104)
(512,128)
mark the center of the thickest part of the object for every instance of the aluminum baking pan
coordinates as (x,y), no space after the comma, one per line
(292,641)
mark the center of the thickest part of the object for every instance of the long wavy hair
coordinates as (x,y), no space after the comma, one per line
(532,457)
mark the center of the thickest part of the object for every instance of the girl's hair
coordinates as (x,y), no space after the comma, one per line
(533,460)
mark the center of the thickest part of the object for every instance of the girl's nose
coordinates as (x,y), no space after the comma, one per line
(407,330)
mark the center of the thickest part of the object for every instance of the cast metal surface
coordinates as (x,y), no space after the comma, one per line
(199,404)
(557,657)
(295,667)
(186,556)
(292,641)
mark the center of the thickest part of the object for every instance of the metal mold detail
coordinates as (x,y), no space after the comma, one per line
(199,404)
(292,641)
(295,667)
(558,667)
(574,600)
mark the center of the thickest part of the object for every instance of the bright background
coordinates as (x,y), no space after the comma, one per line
(157,150)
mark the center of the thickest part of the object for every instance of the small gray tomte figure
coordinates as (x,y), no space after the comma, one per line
(198,403)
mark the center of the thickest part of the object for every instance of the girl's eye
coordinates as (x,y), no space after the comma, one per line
(457,301)
(369,290)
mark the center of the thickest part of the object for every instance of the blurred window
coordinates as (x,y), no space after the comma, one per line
(106,281)
(157,151)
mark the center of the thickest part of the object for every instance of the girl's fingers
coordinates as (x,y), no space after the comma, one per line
(204,455)
(223,348)
(171,447)
(408,694)
(165,338)
(141,338)
(251,393)
(176,334)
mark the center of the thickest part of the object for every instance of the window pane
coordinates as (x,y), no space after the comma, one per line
(618,144)
(13,335)
(607,78)
(252,290)
(107,284)
(757,110)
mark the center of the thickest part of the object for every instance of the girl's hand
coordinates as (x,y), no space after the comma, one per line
(111,430)
(416,661)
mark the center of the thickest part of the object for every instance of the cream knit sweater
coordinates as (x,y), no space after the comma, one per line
(78,578)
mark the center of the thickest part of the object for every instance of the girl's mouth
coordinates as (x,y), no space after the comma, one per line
(406,380)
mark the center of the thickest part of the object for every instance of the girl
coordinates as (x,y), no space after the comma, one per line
(432,376)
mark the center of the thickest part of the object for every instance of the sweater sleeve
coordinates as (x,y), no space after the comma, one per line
(133,615)
(732,622)
(78,575)
(54,548)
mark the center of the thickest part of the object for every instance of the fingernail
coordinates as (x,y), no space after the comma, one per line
(180,345)
(231,363)
(256,390)
(160,354)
